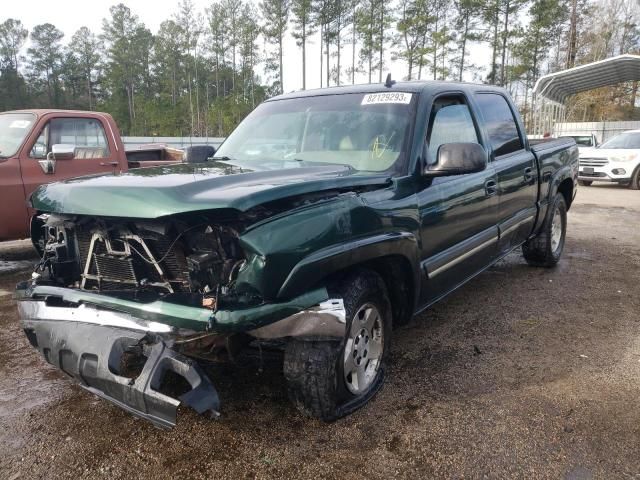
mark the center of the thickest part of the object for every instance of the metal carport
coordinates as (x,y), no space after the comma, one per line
(552,90)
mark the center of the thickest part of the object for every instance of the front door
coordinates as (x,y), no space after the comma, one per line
(94,153)
(458,213)
(515,167)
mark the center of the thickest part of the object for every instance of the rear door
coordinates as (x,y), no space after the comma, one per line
(515,167)
(458,213)
(95,151)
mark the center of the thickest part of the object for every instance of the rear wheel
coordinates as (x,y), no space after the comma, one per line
(545,249)
(328,380)
(585,183)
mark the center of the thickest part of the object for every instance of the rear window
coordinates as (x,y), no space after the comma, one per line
(500,124)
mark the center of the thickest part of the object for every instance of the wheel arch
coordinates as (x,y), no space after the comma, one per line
(397,274)
(566,188)
(394,256)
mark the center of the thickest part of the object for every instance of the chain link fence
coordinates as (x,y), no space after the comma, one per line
(603,131)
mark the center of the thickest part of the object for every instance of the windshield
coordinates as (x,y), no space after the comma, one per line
(624,140)
(582,140)
(14,127)
(367,132)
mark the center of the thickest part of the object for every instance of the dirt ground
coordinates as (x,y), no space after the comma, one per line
(522,373)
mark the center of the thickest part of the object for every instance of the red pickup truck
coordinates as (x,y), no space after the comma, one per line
(43,146)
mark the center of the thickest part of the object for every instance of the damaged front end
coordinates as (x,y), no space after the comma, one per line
(129,362)
(130,308)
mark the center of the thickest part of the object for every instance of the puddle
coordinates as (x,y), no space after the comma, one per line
(9,266)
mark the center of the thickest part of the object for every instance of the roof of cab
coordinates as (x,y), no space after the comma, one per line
(44,111)
(414,86)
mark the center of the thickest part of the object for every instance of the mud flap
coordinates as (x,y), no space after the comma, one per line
(92,354)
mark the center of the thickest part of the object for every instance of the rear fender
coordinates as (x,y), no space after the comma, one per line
(549,189)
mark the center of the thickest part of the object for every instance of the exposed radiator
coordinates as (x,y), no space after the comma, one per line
(125,263)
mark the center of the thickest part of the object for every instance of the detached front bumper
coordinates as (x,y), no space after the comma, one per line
(128,358)
(91,345)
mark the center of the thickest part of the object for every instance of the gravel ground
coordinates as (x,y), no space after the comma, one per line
(522,373)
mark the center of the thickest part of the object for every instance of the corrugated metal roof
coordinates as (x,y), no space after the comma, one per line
(611,71)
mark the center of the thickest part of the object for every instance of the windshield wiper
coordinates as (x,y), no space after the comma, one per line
(223,158)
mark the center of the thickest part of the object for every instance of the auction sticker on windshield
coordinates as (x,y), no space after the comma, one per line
(386,97)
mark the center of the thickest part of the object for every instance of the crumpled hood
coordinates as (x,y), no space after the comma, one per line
(160,191)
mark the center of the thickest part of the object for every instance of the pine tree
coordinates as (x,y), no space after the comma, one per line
(276,17)
(85,48)
(126,40)
(13,36)
(466,25)
(302,17)
(46,56)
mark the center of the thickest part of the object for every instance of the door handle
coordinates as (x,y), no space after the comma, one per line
(109,164)
(528,174)
(490,187)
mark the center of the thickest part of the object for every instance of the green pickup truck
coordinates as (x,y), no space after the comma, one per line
(326,219)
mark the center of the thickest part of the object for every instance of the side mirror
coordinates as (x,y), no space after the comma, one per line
(59,151)
(457,159)
(63,151)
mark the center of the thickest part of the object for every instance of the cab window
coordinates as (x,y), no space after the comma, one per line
(40,148)
(86,134)
(500,124)
(450,122)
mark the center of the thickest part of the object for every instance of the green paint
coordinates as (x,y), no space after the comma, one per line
(183,316)
(161,191)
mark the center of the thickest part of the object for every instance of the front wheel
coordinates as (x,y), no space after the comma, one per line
(545,249)
(585,183)
(328,380)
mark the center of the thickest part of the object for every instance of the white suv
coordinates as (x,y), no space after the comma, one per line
(616,160)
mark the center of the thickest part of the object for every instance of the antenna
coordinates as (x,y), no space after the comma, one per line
(389,83)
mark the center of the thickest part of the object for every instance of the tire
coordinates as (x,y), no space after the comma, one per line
(315,369)
(585,183)
(635,180)
(545,249)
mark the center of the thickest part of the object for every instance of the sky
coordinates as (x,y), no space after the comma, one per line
(70,15)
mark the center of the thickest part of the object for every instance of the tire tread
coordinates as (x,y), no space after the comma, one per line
(311,367)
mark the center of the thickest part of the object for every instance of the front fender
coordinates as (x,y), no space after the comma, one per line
(313,268)
(293,251)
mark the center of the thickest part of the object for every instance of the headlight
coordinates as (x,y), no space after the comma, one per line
(623,158)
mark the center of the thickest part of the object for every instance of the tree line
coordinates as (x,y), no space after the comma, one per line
(203,71)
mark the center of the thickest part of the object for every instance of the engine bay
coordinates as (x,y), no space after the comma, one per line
(177,256)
